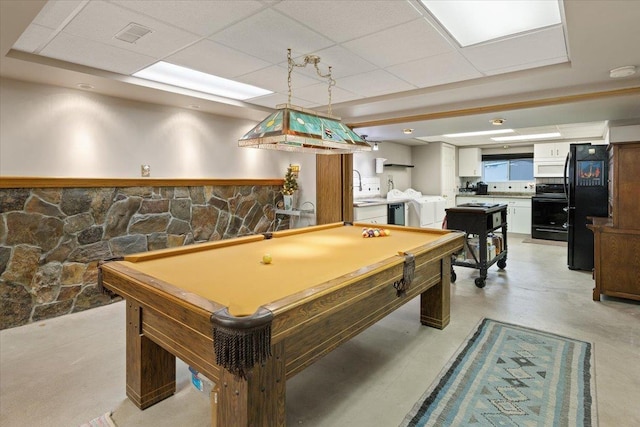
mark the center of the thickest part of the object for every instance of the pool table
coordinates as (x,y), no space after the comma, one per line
(249,325)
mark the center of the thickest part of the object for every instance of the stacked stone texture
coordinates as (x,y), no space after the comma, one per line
(51,239)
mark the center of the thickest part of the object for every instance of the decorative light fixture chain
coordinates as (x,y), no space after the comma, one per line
(309,59)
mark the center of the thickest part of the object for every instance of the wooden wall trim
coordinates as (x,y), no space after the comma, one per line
(497,107)
(42,182)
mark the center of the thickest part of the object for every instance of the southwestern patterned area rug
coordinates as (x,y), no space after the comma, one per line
(509,375)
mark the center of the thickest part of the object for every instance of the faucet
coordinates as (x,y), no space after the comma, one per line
(390,183)
(359,179)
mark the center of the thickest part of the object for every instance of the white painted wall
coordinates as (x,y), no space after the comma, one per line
(427,174)
(624,133)
(364,162)
(49,131)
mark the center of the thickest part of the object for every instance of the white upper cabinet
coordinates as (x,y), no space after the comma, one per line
(469,162)
(550,150)
(548,159)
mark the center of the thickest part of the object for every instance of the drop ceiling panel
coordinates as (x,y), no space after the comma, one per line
(33,38)
(319,94)
(374,83)
(530,131)
(196,16)
(372,16)
(214,58)
(583,130)
(542,47)
(270,101)
(276,34)
(54,13)
(401,44)
(436,70)
(90,53)
(275,78)
(100,22)
(343,62)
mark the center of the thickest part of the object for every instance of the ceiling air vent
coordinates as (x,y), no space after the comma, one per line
(132,32)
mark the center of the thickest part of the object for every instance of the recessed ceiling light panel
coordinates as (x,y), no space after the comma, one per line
(478,133)
(527,137)
(187,78)
(471,22)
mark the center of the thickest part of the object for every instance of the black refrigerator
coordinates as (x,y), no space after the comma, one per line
(587,193)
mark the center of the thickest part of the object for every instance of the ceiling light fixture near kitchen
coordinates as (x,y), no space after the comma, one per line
(374,147)
(293,128)
(85,86)
(187,78)
(527,137)
(407,131)
(473,22)
(478,133)
(498,122)
(625,71)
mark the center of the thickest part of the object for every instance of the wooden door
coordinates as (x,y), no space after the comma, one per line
(334,188)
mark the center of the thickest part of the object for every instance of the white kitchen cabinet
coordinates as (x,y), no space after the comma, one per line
(548,159)
(518,214)
(376,214)
(518,210)
(470,162)
(551,150)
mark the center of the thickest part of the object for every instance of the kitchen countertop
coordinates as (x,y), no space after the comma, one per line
(505,195)
(374,201)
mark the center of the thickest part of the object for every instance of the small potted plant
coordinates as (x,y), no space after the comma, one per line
(289,188)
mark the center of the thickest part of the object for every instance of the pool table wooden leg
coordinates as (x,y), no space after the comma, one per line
(151,370)
(258,401)
(434,302)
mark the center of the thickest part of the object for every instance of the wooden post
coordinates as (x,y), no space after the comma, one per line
(434,302)
(151,370)
(259,400)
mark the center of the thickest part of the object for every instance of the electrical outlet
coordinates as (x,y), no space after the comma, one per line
(145,170)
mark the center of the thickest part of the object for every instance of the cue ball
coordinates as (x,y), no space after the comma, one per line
(266,259)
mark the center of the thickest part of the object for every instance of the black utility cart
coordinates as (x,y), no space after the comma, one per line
(482,246)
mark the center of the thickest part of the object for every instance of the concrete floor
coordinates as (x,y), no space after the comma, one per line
(66,371)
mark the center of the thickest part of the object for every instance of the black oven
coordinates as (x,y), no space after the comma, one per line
(549,214)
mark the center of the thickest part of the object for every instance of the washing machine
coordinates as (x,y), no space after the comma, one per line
(437,205)
(427,211)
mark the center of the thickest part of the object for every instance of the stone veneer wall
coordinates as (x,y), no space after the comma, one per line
(52,238)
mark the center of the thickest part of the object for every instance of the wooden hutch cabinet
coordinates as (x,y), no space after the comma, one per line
(617,238)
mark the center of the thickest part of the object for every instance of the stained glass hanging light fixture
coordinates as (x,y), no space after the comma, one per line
(293,128)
